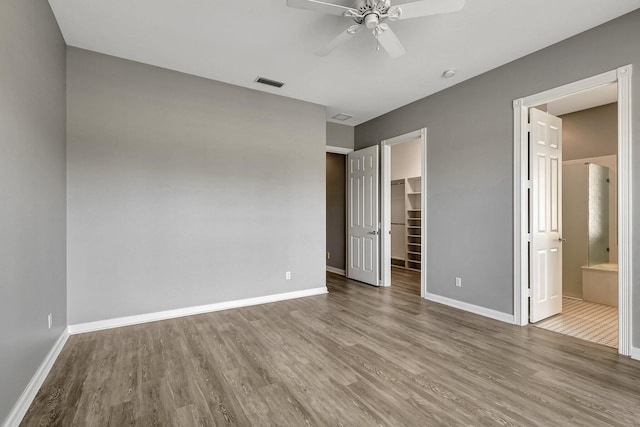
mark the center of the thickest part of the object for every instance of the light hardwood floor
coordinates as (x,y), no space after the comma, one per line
(359,356)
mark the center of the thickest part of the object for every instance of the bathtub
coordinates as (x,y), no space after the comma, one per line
(600,284)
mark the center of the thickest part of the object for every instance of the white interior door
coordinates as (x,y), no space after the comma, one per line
(545,207)
(362,205)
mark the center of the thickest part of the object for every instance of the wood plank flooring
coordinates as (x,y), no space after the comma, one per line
(359,356)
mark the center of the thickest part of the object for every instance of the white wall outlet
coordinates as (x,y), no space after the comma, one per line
(459,282)
(287,275)
(50,320)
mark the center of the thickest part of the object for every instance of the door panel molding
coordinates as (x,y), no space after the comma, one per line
(362,215)
(546,220)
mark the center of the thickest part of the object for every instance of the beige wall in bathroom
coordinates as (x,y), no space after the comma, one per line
(575,203)
(588,136)
(590,133)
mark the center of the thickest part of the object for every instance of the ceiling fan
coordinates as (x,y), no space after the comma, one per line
(373,15)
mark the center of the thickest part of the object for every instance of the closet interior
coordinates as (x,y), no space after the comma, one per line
(406,202)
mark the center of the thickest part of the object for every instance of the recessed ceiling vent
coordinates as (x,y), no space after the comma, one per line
(269,82)
(342,117)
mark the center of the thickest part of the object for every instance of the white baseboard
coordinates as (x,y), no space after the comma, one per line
(189,311)
(476,309)
(336,270)
(22,405)
(635,353)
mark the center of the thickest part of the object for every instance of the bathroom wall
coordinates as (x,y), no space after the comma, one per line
(575,222)
(575,219)
(590,133)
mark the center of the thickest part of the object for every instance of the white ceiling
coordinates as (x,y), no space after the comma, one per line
(234,41)
(592,98)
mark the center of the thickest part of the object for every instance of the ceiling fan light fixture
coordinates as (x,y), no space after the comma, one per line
(449,73)
(371,21)
(372,14)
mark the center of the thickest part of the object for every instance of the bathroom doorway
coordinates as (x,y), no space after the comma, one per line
(585,250)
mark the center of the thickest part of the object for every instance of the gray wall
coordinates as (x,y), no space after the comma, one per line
(184,191)
(590,133)
(32,185)
(336,210)
(340,135)
(470,159)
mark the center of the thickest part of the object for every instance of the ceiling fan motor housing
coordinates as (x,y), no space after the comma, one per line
(371,20)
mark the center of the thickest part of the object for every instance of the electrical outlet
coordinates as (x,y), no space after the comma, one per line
(287,275)
(50,320)
(459,282)
(328,255)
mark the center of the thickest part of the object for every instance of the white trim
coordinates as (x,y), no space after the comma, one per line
(476,309)
(635,353)
(338,150)
(26,398)
(385,212)
(336,270)
(621,76)
(385,219)
(190,311)
(625,208)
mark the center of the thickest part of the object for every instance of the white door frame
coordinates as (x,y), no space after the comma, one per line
(338,150)
(621,76)
(385,205)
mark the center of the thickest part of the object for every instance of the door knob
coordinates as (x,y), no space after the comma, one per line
(562,240)
(374,232)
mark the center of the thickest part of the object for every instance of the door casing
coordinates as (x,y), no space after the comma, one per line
(621,76)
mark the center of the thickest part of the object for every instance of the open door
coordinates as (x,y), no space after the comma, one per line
(545,207)
(362,215)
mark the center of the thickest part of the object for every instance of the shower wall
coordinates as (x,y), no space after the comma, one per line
(598,214)
(575,221)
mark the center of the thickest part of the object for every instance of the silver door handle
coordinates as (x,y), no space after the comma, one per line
(562,240)
(375,232)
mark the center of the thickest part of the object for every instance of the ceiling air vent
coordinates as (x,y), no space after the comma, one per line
(269,82)
(342,117)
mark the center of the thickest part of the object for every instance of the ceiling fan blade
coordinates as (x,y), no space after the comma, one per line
(320,6)
(390,42)
(420,8)
(343,37)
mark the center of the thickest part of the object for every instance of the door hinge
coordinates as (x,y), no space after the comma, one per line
(529,292)
(529,184)
(528,237)
(528,127)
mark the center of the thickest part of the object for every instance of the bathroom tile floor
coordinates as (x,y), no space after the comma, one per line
(585,320)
